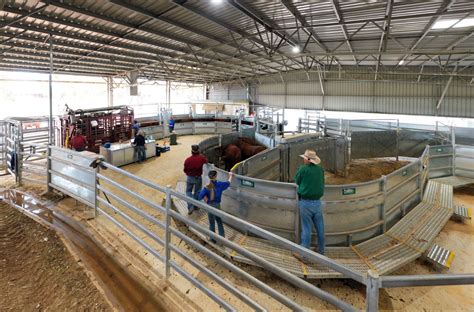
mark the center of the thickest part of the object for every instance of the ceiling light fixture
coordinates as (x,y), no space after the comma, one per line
(296,49)
(401,62)
(216,1)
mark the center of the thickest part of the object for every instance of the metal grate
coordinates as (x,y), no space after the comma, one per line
(440,256)
(404,242)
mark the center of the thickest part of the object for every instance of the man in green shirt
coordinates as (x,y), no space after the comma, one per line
(310,181)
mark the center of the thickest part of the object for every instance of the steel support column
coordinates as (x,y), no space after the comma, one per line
(50,121)
(110,92)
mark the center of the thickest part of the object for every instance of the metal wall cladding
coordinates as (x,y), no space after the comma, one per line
(210,148)
(351,216)
(271,100)
(304,102)
(325,148)
(66,177)
(303,88)
(349,103)
(457,107)
(265,165)
(237,93)
(271,89)
(372,144)
(390,97)
(264,140)
(441,161)
(402,175)
(464,161)
(402,190)
(232,92)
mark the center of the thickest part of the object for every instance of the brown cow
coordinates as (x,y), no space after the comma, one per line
(231,156)
(249,150)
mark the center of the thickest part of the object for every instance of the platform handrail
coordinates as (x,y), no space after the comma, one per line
(375,282)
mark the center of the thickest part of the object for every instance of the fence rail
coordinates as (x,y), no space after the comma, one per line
(104,197)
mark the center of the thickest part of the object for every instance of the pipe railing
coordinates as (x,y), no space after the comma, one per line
(123,219)
(375,282)
(243,225)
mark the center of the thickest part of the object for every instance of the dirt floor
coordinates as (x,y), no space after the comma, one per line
(178,292)
(363,170)
(37,273)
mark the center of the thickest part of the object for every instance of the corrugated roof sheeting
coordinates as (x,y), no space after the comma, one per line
(196,40)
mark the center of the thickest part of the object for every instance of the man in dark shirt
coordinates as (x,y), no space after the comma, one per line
(310,180)
(193,169)
(139,146)
(78,141)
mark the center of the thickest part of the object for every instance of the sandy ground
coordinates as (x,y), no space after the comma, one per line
(363,170)
(167,170)
(37,273)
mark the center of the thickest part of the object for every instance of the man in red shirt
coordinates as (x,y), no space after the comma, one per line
(193,169)
(78,141)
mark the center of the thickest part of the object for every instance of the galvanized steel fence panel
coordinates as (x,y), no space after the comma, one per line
(464,161)
(71,174)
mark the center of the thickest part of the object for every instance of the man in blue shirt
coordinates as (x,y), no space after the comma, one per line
(212,194)
(135,128)
(171,124)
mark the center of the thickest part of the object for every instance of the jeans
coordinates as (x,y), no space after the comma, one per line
(213,219)
(311,213)
(140,154)
(193,183)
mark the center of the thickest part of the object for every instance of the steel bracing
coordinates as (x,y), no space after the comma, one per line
(236,40)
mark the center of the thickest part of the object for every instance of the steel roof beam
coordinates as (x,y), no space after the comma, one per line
(309,31)
(23,16)
(130,57)
(340,18)
(167,20)
(385,34)
(94,69)
(446,87)
(242,33)
(28,57)
(181,71)
(442,9)
(121,46)
(265,22)
(104,32)
(136,27)
(382,19)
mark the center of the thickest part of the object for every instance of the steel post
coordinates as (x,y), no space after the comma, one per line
(50,122)
(167,231)
(382,207)
(453,144)
(96,190)
(398,138)
(372,294)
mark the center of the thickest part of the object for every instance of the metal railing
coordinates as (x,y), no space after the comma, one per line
(122,213)
(119,203)
(375,282)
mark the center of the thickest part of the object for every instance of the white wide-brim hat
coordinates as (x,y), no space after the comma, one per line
(311,156)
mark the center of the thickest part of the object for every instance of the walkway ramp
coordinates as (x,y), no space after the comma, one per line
(403,243)
(455,181)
